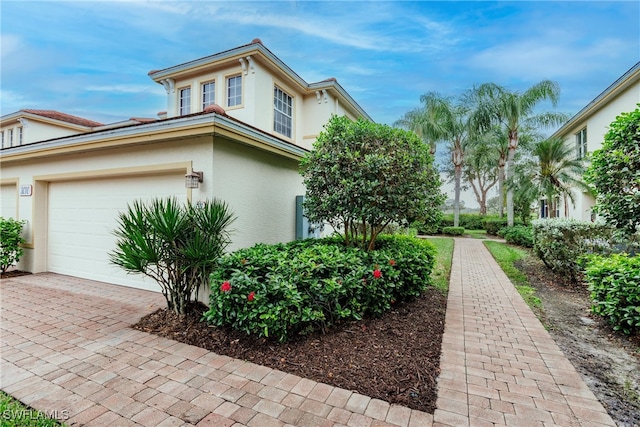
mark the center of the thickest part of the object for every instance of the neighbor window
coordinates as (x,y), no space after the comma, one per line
(282,112)
(20,135)
(208,94)
(185,101)
(234,91)
(545,208)
(581,143)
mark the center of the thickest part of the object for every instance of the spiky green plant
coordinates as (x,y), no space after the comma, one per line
(174,244)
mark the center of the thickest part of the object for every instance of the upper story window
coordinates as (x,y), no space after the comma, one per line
(10,138)
(185,101)
(2,137)
(20,135)
(581,143)
(282,112)
(208,94)
(234,91)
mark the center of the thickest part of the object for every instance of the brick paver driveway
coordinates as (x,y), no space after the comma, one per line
(67,349)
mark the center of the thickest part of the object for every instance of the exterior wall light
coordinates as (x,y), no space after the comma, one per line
(192,179)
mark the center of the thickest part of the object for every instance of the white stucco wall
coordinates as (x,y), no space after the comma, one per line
(597,125)
(260,187)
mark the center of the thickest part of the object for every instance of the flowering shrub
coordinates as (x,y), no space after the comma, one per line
(560,243)
(613,283)
(282,290)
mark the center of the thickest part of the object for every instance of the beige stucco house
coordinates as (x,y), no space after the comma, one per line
(586,131)
(241,117)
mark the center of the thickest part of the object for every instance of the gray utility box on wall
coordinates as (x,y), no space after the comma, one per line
(304,228)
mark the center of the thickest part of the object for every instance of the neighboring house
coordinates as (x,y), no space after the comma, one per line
(586,131)
(242,118)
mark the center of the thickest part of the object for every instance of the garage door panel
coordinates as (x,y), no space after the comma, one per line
(8,201)
(83,216)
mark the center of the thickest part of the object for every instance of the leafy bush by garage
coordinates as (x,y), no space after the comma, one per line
(520,235)
(10,249)
(614,285)
(279,291)
(560,243)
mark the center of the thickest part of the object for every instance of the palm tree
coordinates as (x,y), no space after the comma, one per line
(553,172)
(513,111)
(426,121)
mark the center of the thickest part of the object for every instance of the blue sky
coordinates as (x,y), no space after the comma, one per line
(92,58)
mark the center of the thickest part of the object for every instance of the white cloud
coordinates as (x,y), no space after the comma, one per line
(121,88)
(533,59)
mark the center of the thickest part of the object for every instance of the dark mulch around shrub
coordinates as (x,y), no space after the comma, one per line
(395,358)
(13,273)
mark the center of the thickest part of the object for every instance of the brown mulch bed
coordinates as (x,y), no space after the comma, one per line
(13,273)
(395,358)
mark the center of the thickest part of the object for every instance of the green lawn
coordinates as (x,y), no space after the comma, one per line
(14,413)
(442,267)
(476,234)
(506,256)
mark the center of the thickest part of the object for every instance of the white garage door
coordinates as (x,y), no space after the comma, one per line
(82,216)
(8,201)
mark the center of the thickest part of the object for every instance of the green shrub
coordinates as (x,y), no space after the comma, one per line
(520,235)
(10,241)
(494,225)
(560,243)
(471,221)
(453,231)
(283,290)
(361,176)
(615,291)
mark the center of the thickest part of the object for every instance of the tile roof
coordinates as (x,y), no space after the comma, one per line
(63,117)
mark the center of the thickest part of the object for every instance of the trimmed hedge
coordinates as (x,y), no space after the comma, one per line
(453,231)
(560,243)
(283,290)
(614,283)
(521,235)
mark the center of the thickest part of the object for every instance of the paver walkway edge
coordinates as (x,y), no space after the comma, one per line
(67,349)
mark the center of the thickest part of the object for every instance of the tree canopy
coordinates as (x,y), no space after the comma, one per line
(362,176)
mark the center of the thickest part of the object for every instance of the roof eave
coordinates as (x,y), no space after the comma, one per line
(620,85)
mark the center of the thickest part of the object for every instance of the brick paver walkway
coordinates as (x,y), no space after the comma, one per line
(66,349)
(499,366)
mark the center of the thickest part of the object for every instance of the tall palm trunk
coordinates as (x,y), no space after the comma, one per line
(501,179)
(457,159)
(513,144)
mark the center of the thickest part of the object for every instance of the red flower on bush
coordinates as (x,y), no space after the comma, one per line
(225,287)
(392,262)
(377,273)
(251,296)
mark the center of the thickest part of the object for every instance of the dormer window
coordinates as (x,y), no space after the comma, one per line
(208,94)
(282,112)
(185,101)
(234,91)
